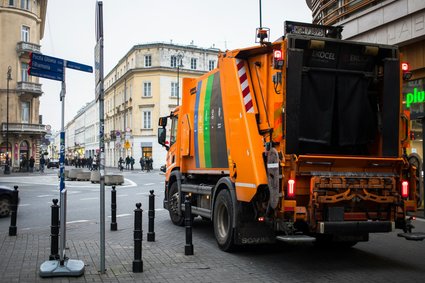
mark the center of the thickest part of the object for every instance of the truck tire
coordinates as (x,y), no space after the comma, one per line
(223,221)
(173,208)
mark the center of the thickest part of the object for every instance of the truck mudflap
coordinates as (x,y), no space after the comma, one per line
(355,227)
(254,234)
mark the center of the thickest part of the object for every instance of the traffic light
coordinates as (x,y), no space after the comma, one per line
(406,73)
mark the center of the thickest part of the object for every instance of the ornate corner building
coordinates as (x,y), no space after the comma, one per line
(21,29)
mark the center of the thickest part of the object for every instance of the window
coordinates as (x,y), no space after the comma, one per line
(25,34)
(147,89)
(131,90)
(211,65)
(173,62)
(25,112)
(24,72)
(174,89)
(148,60)
(25,4)
(193,63)
(11,2)
(147,120)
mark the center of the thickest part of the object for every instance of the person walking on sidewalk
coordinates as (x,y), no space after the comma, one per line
(120,162)
(42,163)
(132,162)
(127,162)
(142,163)
(31,163)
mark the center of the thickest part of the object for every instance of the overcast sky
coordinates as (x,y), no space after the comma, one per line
(70,34)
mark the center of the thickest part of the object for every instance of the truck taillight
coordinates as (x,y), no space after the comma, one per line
(404,189)
(291,188)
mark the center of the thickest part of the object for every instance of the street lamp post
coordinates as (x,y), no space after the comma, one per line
(9,78)
(179,64)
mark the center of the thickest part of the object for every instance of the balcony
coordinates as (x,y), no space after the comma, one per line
(25,48)
(20,128)
(29,87)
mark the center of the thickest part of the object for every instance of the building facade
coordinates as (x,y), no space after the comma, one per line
(21,29)
(144,85)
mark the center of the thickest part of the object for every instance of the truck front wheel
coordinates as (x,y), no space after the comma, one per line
(223,221)
(173,207)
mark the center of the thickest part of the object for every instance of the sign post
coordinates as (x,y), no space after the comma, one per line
(100,97)
(54,68)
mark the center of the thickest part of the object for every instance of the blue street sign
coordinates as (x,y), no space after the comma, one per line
(43,59)
(45,74)
(79,67)
(46,66)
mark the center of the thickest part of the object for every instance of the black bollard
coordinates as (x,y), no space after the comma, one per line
(54,231)
(138,234)
(188,248)
(114,225)
(14,212)
(151,215)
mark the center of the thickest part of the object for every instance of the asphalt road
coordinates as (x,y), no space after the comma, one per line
(385,258)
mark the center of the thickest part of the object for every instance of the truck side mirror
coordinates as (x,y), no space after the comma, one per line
(162,122)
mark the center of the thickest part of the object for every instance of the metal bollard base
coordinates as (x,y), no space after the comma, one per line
(12,231)
(151,236)
(188,250)
(114,226)
(53,268)
(137,266)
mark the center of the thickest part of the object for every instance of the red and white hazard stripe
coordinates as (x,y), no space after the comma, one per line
(246,93)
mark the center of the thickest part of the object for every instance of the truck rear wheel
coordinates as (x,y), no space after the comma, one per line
(173,208)
(223,221)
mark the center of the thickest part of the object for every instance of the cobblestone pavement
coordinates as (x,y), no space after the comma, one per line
(385,258)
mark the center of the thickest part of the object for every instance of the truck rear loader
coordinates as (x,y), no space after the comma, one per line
(298,140)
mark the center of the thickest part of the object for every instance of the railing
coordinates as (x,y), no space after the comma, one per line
(27,47)
(20,127)
(34,88)
(329,12)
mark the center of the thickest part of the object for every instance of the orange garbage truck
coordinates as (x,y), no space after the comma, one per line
(299,140)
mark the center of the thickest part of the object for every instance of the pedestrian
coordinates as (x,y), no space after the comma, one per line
(120,162)
(148,164)
(90,163)
(132,162)
(42,163)
(32,161)
(142,163)
(127,162)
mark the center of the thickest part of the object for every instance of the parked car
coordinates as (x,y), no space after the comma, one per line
(53,163)
(5,200)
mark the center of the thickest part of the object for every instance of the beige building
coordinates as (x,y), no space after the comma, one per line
(21,29)
(142,87)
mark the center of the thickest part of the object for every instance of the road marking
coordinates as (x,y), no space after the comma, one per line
(24,204)
(149,184)
(122,195)
(43,196)
(88,198)
(77,221)
(94,190)
(159,209)
(142,194)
